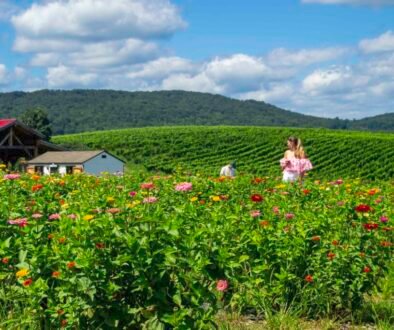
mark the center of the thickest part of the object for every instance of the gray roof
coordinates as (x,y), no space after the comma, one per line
(65,157)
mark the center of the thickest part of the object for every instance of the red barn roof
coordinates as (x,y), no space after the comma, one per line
(6,122)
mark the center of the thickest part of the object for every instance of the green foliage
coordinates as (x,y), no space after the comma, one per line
(37,119)
(131,261)
(257,150)
(92,110)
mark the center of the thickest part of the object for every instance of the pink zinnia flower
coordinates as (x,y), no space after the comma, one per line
(36,215)
(255,213)
(12,176)
(289,216)
(22,222)
(275,209)
(222,285)
(113,210)
(54,216)
(132,193)
(384,219)
(147,185)
(149,200)
(339,181)
(184,186)
(72,216)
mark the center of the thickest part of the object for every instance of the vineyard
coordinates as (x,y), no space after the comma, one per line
(257,150)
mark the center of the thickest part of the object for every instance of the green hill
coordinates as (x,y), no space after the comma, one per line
(92,110)
(256,149)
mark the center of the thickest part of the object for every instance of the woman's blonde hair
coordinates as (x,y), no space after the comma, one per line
(299,149)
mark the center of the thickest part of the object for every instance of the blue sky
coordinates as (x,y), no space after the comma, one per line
(321,57)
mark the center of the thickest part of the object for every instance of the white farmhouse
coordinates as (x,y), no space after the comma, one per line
(68,162)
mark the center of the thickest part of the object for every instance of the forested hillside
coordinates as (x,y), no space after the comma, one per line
(92,110)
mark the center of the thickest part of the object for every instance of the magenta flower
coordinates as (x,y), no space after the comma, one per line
(184,186)
(150,200)
(54,216)
(255,213)
(72,216)
(132,193)
(289,216)
(36,215)
(22,222)
(222,285)
(12,176)
(384,219)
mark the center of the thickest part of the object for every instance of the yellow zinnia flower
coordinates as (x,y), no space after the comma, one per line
(88,217)
(193,199)
(215,198)
(23,272)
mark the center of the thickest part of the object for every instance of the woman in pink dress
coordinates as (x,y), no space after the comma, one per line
(294,163)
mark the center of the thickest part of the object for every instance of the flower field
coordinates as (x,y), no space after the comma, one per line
(171,251)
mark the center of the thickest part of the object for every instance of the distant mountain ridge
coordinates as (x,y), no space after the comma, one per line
(91,110)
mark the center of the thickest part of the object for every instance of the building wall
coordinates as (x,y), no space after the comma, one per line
(100,164)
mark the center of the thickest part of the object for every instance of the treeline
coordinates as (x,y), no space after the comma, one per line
(91,110)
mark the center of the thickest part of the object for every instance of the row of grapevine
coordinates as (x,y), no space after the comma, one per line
(257,150)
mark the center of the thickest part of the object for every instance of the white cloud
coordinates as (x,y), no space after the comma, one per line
(276,92)
(94,20)
(197,83)
(3,74)
(64,77)
(352,2)
(163,67)
(383,43)
(304,57)
(337,80)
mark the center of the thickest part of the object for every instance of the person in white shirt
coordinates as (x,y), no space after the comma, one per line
(228,170)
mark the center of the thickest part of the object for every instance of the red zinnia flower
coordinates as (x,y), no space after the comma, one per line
(366,269)
(100,245)
(5,260)
(222,285)
(309,278)
(335,242)
(363,208)
(256,198)
(370,226)
(316,238)
(55,274)
(28,282)
(306,191)
(330,255)
(71,264)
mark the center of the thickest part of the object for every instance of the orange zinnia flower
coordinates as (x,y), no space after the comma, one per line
(309,278)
